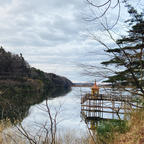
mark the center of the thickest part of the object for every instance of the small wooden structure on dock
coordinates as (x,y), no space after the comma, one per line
(95,105)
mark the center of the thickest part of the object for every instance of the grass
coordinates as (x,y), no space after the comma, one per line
(108,132)
(135,135)
(122,132)
(107,129)
(11,135)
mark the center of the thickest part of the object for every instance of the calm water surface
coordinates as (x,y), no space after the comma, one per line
(68,108)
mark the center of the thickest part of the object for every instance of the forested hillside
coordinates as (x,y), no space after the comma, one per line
(13,65)
(22,86)
(16,72)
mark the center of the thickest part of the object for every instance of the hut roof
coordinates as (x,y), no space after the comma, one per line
(95,86)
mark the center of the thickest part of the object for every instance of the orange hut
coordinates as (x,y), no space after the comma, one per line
(95,89)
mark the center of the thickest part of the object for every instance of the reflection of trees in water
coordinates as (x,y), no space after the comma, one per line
(15,106)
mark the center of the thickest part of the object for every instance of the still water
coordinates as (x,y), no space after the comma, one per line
(68,109)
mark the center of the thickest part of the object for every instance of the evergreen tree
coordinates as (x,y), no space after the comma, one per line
(13,65)
(128,56)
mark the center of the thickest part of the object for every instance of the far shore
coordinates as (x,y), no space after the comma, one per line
(99,85)
(89,85)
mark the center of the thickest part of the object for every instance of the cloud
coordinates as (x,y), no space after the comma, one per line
(49,34)
(39,23)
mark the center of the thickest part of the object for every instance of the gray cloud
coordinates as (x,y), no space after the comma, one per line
(49,34)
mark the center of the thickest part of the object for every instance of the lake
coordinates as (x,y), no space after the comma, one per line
(68,108)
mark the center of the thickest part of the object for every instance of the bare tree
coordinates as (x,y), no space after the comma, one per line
(47,133)
(100,9)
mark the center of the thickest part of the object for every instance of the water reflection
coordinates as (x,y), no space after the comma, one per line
(106,106)
(68,116)
(31,109)
(15,105)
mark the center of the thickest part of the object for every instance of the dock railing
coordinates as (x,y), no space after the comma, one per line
(94,106)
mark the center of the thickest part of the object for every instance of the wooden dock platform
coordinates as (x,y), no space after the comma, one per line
(94,106)
(112,105)
(106,97)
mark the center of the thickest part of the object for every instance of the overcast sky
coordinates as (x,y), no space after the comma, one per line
(51,34)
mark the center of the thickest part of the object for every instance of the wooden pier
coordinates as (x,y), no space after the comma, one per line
(113,105)
(105,97)
(93,107)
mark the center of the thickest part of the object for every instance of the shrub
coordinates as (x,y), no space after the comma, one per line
(107,129)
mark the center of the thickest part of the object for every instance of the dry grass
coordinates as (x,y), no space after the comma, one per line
(11,135)
(136,133)
(134,136)
(8,134)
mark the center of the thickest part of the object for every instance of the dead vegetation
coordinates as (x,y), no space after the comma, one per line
(136,133)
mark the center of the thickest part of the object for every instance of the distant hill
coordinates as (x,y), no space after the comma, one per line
(22,86)
(83,84)
(16,72)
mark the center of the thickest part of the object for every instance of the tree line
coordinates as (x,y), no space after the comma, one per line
(13,65)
